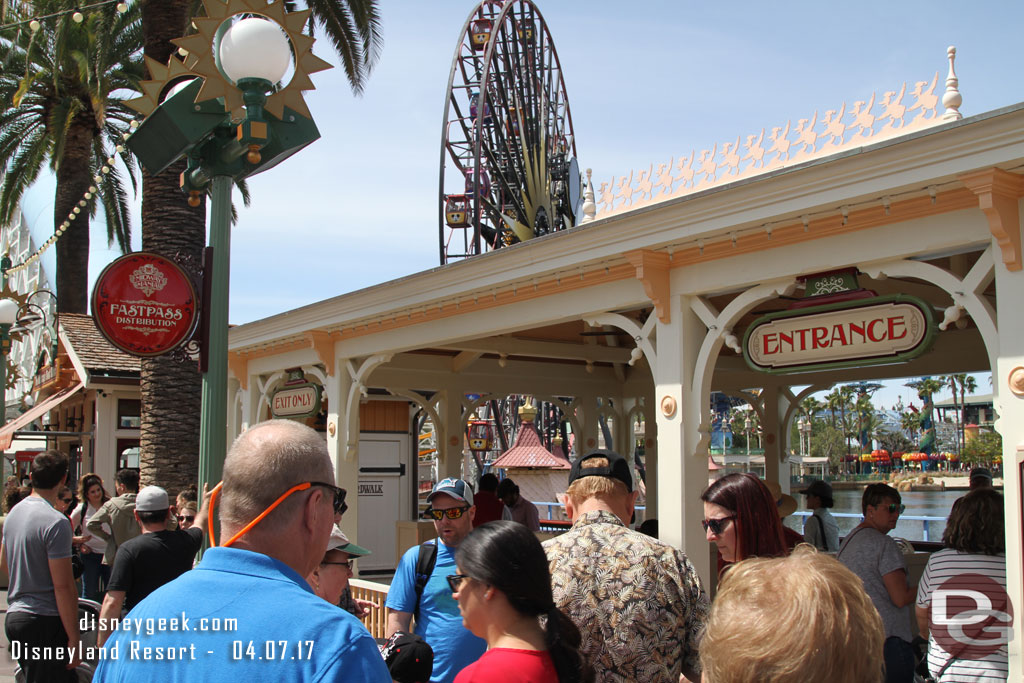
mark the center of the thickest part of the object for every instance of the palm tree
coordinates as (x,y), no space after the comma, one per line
(59,105)
(967,385)
(832,401)
(865,411)
(911,423)
(171,390)
(953,383)
(810,407)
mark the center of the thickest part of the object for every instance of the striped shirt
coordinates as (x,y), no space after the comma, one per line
(947,564)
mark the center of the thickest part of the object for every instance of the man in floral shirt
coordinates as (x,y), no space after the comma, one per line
(637,601)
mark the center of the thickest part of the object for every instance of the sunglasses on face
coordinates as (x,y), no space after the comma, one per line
(347,564)
(450,513)
(455,580)
(339,496)
(895,507)
(717,525)
(65,500)
(187,518)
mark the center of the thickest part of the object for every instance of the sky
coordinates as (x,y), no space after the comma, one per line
(645,81)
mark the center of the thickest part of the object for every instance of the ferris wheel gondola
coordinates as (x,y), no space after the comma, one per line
(508,153)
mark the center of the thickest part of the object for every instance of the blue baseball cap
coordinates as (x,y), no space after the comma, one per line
(456,488)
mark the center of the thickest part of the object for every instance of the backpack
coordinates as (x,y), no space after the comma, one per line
(425,561)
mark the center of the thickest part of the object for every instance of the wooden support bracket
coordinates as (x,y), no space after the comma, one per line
(238,363)
(998,193)
(323,344)
(652,269)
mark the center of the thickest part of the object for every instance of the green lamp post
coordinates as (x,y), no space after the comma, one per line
(233,121)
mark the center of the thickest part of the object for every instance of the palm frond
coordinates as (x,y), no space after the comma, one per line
(353,28)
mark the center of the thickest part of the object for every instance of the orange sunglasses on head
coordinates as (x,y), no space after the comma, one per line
(339,507)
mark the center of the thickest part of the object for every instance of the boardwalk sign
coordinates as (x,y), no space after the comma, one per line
(876,331)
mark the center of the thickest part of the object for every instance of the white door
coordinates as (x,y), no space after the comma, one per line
(383,477)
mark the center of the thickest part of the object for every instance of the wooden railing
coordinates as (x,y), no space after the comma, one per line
(376,621)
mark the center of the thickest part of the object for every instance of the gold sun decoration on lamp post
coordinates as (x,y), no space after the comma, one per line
(201,63)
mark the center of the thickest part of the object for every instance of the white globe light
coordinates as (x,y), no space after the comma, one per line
(255,48)
(178,87)
(8,311)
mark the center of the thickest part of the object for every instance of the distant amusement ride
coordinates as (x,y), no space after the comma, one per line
(508,167)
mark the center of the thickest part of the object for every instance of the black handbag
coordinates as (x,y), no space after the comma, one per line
(77,564)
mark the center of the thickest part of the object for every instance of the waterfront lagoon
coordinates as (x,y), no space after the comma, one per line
(919,504)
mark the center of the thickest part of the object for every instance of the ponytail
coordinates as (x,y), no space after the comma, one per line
(563,641)
(507,556)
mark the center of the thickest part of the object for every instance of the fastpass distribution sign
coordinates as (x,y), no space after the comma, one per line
(872,331)
(144,304)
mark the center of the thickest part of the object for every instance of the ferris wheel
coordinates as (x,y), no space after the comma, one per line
(508,154)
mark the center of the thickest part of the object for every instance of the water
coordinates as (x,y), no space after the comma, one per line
(919,503)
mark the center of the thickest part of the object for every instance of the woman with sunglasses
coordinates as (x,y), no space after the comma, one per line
(870,554)
(503,587)
(742,519)
(93,495)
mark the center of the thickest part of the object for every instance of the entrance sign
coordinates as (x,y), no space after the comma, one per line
(874,331)
(144,304)
(296,401)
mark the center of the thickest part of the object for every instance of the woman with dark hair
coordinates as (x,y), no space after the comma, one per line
(741,518)
(974,559)
(503,586)
(93,495)
(65,500)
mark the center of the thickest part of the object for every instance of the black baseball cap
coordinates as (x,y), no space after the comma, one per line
(618,468)
(409,658)
(821,489)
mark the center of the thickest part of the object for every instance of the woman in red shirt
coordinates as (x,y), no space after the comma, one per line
(503,586)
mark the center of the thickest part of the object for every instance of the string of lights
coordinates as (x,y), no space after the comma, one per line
(83,203)
(34,23)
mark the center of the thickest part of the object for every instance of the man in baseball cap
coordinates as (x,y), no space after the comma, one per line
(147,562)
(421,588)
(651,634)
(981,478)
(821,529)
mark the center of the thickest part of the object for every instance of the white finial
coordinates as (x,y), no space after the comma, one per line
(589,207)
(952,99)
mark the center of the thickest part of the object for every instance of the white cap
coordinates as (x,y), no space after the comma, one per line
(151,499)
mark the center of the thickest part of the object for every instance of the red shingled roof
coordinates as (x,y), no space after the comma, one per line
(97,354)
(528,451)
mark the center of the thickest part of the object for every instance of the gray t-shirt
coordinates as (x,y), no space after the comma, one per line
(34,534)
(870,554)
(821,529)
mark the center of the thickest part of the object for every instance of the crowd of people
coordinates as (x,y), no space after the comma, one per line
(486,600)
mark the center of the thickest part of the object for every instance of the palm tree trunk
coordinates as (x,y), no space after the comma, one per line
(171,389)
(963,416)
(73,181)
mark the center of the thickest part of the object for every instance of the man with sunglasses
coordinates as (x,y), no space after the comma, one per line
(246,612)
(438,620)
(870,554)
